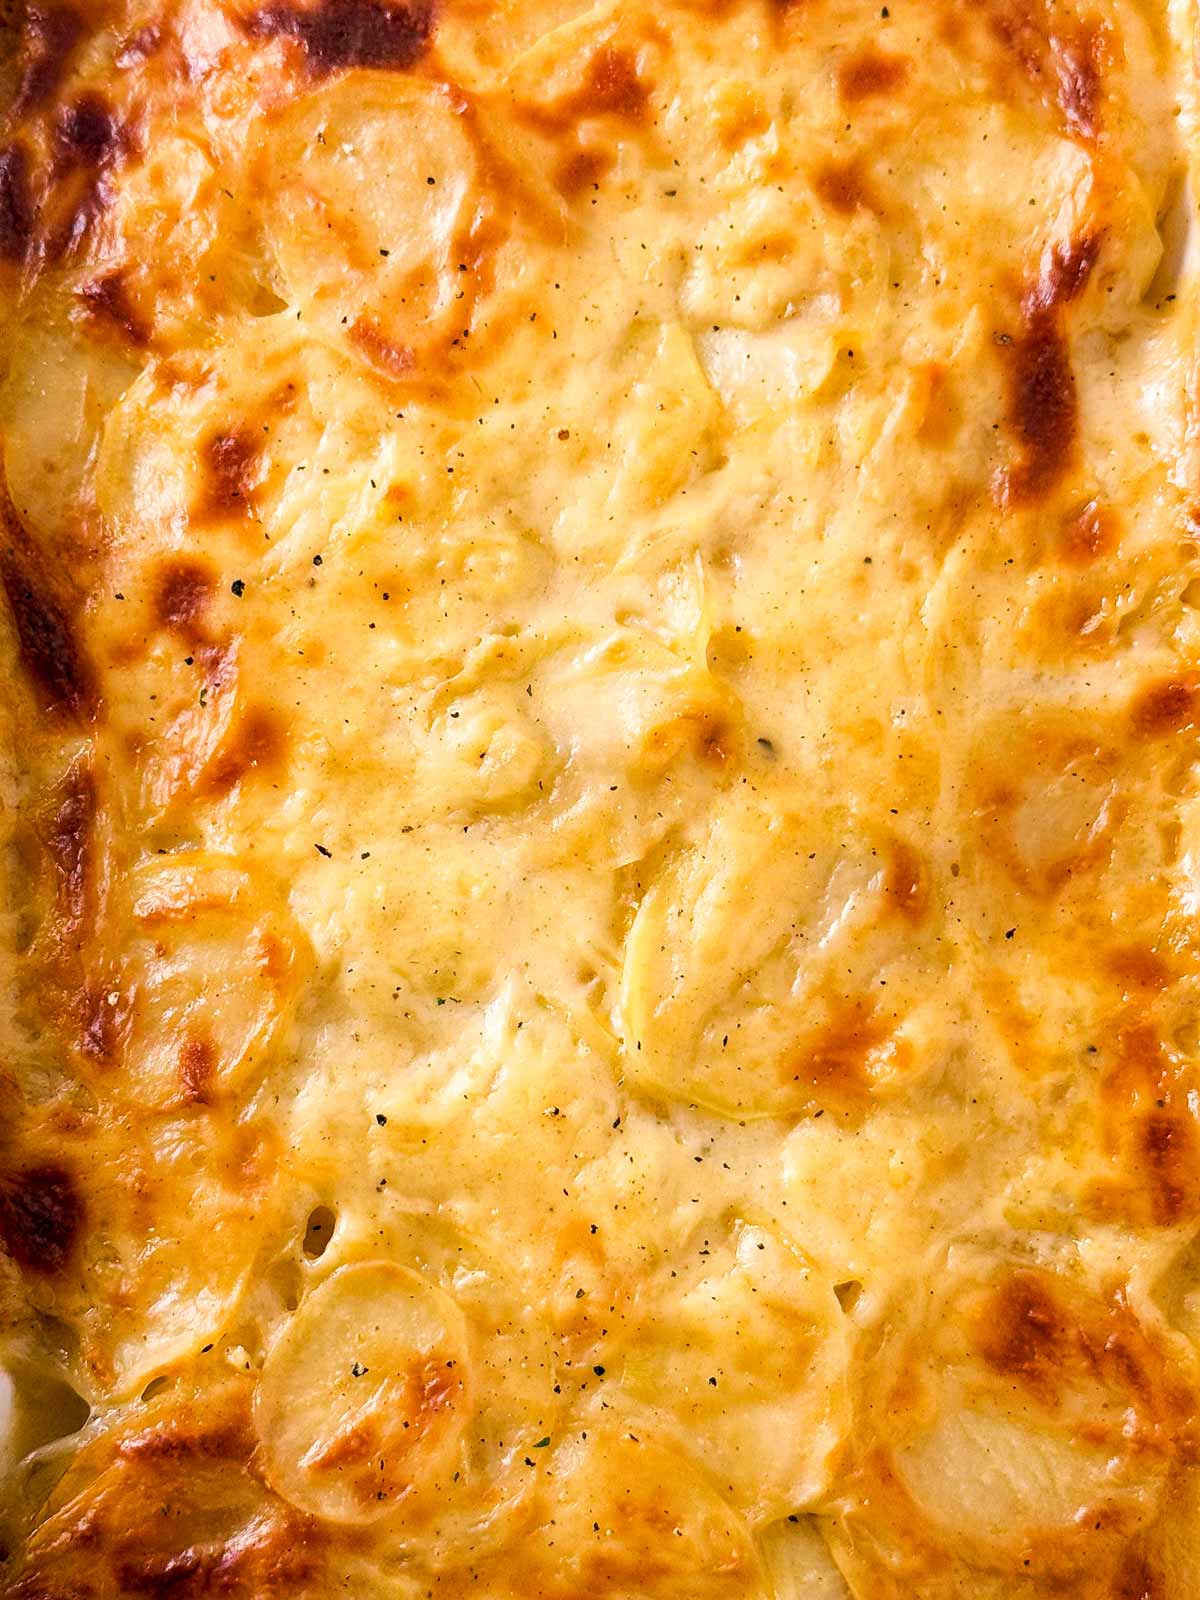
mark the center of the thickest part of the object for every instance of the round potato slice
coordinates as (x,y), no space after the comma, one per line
(751,976)
(365,1394)
(984,1474)
(1013,1410)
(370,203)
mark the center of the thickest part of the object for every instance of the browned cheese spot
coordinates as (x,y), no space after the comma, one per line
(18,212)
(49,651)
(354,1448)
(69,844)
(139,46)
(1063,65)
(197,1070)
(1166,708)
(395,360)
(184,1440)
(1148,1125)
(107,300)
(611,86)
(701,731)
(1042,408)
(41,1214)
(88,141)
(583,170)
(103,1022)
(232,465)
(1063,274)
(907,881)
(335,35)
(1088,534)
(378,1468)
(1136,968)
(49,35)
(184,588)
(1136,1579)
(844,188)
(174,1574)
(1169,1157)
(870,72)
(274,960)
(836,1068)
(87,134)
(257,742)
(1023,1334)
(274,1558)
(1078,69)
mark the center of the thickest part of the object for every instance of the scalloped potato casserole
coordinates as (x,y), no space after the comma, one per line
(599,800)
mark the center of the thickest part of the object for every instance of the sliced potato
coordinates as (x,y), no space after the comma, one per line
(366,1394)
(629,1515)
(385,170)
(1013,1411)
(986,1473)
(751,973)
(57,396)
(747,1353)
(799,1563)
(156,1293)
(454,1388)
(272,431)
(210,976)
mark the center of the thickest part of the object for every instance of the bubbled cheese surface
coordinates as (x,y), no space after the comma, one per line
(599,800)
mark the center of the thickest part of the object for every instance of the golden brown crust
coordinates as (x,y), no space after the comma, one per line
(598,606)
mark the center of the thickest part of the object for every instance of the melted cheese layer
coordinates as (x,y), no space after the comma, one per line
(598,959)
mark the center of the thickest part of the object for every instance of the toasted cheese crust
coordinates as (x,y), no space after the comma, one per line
(598,957)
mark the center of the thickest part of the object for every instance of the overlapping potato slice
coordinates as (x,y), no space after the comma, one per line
(210,974)
(271,432)
(745,1349)
(656,709)
(371,178)
(182,202)
(486,37)
(629,1514)
(366,1394)
(409,1387)
(1025,1424)
(177,1205)
(798,1562)
(752,972)
(394,174)
(162,1494)
(54,403)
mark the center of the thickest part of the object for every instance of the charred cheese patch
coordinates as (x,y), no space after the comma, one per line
(599,851)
